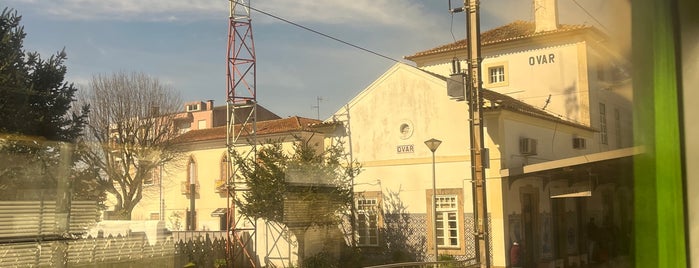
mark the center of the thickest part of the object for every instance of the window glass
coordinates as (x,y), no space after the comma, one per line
(367,222)
(447,224)
(497,74)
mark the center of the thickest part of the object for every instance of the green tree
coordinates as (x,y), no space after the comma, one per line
(36,114)
(307,186)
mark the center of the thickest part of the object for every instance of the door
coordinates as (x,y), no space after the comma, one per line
(528,226)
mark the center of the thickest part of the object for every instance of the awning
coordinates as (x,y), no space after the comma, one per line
(573,161)
(580,174)
(219,212)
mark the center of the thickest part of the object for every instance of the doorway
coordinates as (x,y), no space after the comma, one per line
(530,213)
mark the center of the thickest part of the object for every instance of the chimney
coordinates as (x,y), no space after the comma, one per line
(209,104)
(545,15)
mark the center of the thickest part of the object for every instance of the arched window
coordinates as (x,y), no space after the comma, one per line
(224,168)
(192,171)
(223,174)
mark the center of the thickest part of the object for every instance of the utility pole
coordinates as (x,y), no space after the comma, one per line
(475,100)
(473,34)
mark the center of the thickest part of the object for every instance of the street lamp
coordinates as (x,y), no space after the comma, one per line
(433,144)
(162,201)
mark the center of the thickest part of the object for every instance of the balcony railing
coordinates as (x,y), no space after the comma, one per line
(184,187)
(220,186)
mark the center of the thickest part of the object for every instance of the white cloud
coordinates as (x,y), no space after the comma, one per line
(367,12)
(140,10)
(399,13)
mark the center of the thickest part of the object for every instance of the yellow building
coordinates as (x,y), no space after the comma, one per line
(204,162)
(557,126)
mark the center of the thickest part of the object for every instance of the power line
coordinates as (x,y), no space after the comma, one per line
(319,33)
(590,15)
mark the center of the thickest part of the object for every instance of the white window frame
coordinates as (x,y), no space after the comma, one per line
(367,221)
(193,107)
(496,74)
(449,230)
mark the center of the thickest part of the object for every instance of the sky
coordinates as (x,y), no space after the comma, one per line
(183,42)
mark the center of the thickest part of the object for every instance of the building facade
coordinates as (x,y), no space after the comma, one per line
(205,164)
(557,112)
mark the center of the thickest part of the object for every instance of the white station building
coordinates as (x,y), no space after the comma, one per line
(557,112)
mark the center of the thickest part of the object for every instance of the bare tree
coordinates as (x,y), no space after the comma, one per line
(130,134)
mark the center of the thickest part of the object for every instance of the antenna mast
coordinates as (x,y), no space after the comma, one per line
(241,103)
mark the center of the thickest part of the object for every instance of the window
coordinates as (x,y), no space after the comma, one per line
(223,171)
(496,74)
(223,174)
(602,124)
(154,216)
(192,107)
(368,222)
(153,177)
(191,179)
(191,171)
(447,223)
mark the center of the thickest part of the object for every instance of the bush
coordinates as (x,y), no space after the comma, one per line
(320,260)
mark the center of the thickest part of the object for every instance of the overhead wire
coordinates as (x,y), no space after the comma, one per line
(318,32)
(451,29)
(378,53)
(591,16)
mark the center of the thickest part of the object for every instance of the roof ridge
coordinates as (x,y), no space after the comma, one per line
(266,127)
(517,29)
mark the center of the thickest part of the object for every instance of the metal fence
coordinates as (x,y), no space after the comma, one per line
(440,264)
(32,220)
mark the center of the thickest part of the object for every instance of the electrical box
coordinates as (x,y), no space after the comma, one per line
(455,87)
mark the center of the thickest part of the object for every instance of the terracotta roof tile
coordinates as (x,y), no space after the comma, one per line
(513,31)
(267,127)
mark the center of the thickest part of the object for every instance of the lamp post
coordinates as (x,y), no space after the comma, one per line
(162,202)
(192,195)
(433,144)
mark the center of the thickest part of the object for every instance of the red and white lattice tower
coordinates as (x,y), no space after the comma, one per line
(241,104)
